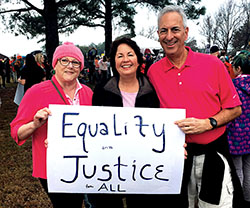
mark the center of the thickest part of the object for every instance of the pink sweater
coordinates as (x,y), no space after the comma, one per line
(36,98)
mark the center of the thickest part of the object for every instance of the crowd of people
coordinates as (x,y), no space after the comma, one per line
(97,67)
(27,70)
(214,90)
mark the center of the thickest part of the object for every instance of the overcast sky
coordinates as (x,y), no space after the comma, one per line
(10,44)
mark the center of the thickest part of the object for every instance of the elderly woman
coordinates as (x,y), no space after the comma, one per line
(31,119)
(127,88)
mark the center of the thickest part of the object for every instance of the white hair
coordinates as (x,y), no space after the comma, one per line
(173,8)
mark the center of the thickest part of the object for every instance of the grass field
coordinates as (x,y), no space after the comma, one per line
(17,186)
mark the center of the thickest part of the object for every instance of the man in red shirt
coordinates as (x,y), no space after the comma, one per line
(200,84)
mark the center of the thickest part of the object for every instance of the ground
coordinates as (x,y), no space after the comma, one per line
(17,186)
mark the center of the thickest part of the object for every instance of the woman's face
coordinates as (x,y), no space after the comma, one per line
(67,69)
(126,61)
(237,70)
(42,58)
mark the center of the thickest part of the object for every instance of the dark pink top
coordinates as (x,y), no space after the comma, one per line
(36,98)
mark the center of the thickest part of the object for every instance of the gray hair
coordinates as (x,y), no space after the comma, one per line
(173,8)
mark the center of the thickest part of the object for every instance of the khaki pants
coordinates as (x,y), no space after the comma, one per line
(194,185)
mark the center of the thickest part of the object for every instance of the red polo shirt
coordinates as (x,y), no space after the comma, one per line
(202,86)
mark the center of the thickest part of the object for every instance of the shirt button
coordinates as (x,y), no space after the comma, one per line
(180,83)
(179,74)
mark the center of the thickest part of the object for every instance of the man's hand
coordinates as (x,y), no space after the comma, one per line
(194,125)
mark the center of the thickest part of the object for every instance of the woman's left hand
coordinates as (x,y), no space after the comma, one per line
(46,143)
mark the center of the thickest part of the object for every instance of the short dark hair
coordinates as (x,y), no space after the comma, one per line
(214,49)
(242,60)
(130,43)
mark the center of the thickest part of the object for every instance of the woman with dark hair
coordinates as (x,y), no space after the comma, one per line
(127,88)
(31,73)
(239,128)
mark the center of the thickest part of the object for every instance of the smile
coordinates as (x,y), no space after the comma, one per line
(170,43)
(69,72)
(126,66)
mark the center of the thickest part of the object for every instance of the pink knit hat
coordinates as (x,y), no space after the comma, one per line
(68,49)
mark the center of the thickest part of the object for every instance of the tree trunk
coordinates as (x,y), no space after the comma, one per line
(247,41)
(108,27)
(51,28)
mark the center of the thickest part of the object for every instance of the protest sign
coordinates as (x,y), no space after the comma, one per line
(114,150)
(19,93)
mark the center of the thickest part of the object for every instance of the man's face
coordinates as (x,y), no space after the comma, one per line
(172,34)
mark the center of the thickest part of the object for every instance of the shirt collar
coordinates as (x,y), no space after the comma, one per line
(76,96)
(187,63)
(79,86)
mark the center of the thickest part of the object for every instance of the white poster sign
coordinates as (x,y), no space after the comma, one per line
(19,93)
(114,150)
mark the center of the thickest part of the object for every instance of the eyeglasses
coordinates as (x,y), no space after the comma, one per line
(66,62)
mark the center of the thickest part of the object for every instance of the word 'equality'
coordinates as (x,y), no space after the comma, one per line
(84,129)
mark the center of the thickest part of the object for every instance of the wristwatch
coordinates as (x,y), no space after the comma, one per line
(213,122)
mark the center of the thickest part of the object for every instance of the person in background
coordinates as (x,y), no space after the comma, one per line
(214,51)
(12,70)
(42,61)
(47,67)
(32,115)
(7,67)
(2,73)
(149,59)
(92,53)
(31,73)
(20,80)
(97,70)
(127,88)
(200,84)
(223,55)
(239,129)
(39,59)
(229,67)
(18,63)
(13,67)
(103,66)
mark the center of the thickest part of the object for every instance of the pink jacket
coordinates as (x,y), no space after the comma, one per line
(36,98)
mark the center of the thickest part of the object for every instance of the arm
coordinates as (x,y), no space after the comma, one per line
(39,119)
(21,81)
(198,126)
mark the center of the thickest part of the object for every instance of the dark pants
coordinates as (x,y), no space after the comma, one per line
(3,79)
(63,200)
